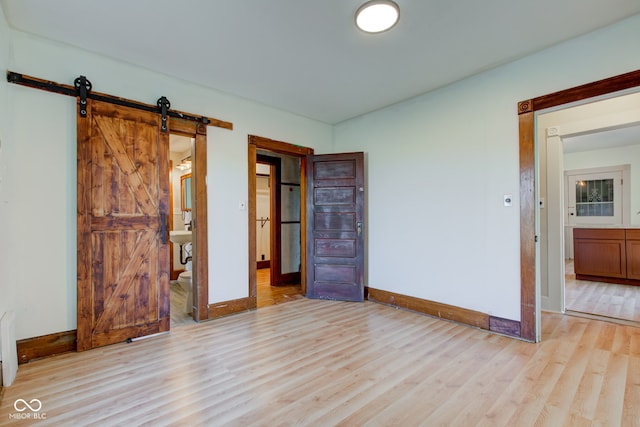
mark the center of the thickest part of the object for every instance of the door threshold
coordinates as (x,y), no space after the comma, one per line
(609,319)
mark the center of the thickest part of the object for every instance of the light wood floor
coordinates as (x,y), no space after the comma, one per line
(325,363)
(602,299)
(271,295)
(267,295)
(179,316)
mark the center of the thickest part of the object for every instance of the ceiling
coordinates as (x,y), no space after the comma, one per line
(179,143)
(307,57)
(611,138)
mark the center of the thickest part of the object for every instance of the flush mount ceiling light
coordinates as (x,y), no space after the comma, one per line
(376,16)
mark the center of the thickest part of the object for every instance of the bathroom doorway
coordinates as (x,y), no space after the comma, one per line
(181,168)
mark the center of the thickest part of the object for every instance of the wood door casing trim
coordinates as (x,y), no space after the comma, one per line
(200,282)
(83,234)
(275,212)
(527,228)
(201,228)
(255,143)
(252,210)
(526,120)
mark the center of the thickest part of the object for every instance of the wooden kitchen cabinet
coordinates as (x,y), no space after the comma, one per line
(633,254)
(607,255)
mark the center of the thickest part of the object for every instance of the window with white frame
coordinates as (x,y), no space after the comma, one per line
(596,196)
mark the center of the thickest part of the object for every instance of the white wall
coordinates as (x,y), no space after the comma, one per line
(42,212)
(6,287)
(438,166)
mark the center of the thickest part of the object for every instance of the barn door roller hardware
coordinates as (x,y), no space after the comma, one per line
(84,87)
(164,105)
(82,90)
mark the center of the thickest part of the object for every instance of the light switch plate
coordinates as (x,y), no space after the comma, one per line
(508,200)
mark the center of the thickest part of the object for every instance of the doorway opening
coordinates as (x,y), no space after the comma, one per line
(529,198)
(192,194)
(181,169)
(276,221)
(586,152)
(277,228)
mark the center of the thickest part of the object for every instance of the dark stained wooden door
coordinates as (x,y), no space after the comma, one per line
(123,253)
(335,226)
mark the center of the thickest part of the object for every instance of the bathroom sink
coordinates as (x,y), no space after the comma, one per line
(180,236)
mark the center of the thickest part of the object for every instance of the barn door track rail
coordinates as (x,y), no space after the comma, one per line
(82,89)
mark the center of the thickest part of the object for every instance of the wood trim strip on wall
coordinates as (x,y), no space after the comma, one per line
(46,345)
(263,264)
(436,309)
(63,342)
(251,222)
(527,227)
(201,228)
(589,90)
(225,308)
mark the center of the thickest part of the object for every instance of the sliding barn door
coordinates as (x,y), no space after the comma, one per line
(123,197)
(335,226)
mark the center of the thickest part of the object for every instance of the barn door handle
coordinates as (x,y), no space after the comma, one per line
(359,227)
(163,228)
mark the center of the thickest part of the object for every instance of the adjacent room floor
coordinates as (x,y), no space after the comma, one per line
(599,298)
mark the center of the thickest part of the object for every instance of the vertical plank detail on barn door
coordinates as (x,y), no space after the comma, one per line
(123,198)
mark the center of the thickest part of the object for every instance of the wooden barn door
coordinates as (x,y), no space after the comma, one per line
(123,197)
(335,226)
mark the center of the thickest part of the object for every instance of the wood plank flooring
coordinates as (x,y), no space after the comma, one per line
(267,295)
(325,363)
(271,295)
(602,299)
(179,316)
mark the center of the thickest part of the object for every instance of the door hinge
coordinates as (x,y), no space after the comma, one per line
(536,238)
